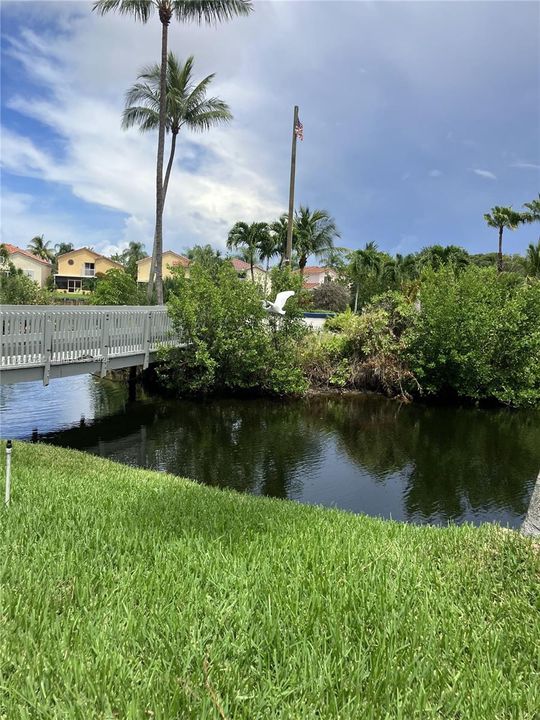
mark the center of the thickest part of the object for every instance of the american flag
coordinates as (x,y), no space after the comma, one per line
(299,130)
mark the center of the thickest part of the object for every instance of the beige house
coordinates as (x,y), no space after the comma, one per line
(243,271)
(33,267)
(169,260)
(315,276)
(77,267)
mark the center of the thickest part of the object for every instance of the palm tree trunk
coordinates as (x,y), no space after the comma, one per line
(251,263)
(266,275)
(302,264)
(356,299)
(165,17)
(499,256)
(169,166)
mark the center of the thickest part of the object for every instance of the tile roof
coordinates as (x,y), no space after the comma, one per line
(13,249)
(182,260)
(315,270)
(240,265)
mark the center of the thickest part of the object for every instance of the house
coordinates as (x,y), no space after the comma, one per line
(243,271)
(35,268)
(315,276)
(169,260)
(77,267)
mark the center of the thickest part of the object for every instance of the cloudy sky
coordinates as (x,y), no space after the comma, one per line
(418,116)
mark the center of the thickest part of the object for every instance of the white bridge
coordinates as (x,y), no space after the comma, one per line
(39,342)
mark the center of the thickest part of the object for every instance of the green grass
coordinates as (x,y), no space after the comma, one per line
(133,594)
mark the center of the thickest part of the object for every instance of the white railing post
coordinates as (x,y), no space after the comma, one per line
(47,348)
(105,339)
(146,338)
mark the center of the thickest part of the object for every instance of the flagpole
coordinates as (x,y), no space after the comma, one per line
(288,251)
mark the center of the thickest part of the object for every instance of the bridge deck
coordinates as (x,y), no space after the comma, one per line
(48,341)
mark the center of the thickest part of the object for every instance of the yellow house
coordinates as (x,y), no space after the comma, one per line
(243,270)
(169,260)
(75,268)
(33,267)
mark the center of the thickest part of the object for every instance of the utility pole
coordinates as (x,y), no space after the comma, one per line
(288,250)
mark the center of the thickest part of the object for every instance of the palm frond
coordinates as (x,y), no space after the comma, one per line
(140,9)
(210,11)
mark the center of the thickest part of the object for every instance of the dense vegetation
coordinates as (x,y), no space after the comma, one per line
(129,593)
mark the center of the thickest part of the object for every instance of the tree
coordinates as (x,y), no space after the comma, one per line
(39,247)
(279,230)
(435,256)
(129,257)
(63,248)
(315,233)
(187,105)
(268,246)
(116,287)
(501,218)
(533,260)
(209,11)
(249,238)
(205,256)
(331,296)
(399,269)
(364,263)
(532,213)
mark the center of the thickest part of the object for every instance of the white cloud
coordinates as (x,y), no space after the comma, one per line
(435,173)
(525,165)
(484,173)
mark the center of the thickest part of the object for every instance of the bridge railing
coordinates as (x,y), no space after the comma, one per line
(49,335)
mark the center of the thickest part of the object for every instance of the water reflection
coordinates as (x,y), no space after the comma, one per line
(362,453)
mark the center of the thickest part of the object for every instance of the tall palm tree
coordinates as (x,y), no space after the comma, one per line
(187,104)
(532,213)
(399,269)
(363,263)
(248,238)
(208,11)
(279,231)
(39,247)
(315,233)
(62,248)
(501,218)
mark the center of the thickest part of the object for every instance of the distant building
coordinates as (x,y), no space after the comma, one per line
(169,260)
(77,267)
(32,266)
(243,270)
(315,276)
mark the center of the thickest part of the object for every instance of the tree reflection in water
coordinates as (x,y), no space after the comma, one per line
(435,464)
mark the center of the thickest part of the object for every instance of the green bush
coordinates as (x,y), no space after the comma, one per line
(477,335)
(232,344)
(17,288)
(117,287)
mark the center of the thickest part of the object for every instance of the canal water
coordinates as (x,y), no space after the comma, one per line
(363,453)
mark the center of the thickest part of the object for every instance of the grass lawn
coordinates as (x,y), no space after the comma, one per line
(133,594)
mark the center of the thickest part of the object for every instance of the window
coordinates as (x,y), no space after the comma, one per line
(70,261)
(74,285)
(89,269)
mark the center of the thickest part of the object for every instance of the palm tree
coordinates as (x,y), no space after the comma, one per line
(63,248)
(279,231)
(209,11)
(249,238)
(532,213)
(501,218)
(187,104)
(268,246)
(362,263)
(533,259)
(39,247)
(314,234)
(399,269)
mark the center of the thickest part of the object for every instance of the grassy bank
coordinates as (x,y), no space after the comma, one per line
(132,594)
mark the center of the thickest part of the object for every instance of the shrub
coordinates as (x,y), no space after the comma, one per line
(17,288)
(232,344)
(477,335)
(117,287)
(331,296)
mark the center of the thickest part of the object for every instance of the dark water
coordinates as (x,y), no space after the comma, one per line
(362,453)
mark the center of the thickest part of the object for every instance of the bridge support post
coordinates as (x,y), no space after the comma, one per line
(47,349)
(105,340)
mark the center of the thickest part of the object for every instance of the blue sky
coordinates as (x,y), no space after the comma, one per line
(418,116)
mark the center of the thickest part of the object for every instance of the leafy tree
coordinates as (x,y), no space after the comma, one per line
(249,238)
(117,287)
(501,218)
(39,247)
(16,288)
(331,296)
(209,11)
(533,260)
(231,343)
(477,335)
(269,246)
(435,256)
(532,213)
(314,234)
(205,256)
(399,269)
(63,248)
(279,231)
